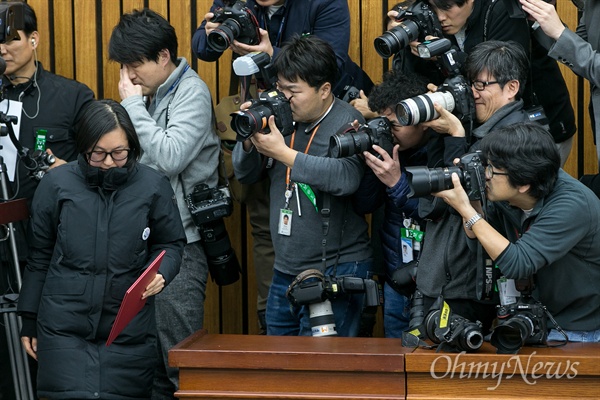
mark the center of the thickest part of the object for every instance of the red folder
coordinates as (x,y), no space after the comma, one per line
(132,302)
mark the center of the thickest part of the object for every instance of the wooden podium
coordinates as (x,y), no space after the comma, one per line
(568,372)
(284,367)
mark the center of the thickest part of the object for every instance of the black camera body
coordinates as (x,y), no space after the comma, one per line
(470,169)
(256,117)
(416,22)
(237,23)
(349,140)
(348,93)
(521,323)
(331,287)
(208,207)
(206,204)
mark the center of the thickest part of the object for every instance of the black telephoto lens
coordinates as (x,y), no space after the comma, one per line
(423,181)
(349,144)
(397,38)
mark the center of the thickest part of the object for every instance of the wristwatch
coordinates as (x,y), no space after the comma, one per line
(469,224)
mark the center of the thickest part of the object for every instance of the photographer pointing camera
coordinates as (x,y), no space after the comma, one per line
(497,72)
(539,222)
(309,190)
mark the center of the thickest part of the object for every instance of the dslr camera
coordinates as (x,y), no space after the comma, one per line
(208,207)
(520,323)
(470,169)
(270,102)
(237,23)
(454,94)
(416,22)
(315,290)
(256,117)
(441,326)
(349,140)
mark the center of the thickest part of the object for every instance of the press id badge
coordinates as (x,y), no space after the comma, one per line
(285,222)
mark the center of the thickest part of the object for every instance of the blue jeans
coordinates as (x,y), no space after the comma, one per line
(396,312)
(575,336)
(285,320)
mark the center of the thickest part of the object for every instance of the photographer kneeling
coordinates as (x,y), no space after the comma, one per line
(539,221)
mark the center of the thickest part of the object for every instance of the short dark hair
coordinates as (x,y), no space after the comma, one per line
(307,58)
(140,36)
(504,60)
(101,117)
(527,152)
(396,86)
(29,19)
(446,4)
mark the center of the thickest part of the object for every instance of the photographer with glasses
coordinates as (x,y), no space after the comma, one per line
(539,222)
(497,72)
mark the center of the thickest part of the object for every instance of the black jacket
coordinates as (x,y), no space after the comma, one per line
(88,245)
(60,103)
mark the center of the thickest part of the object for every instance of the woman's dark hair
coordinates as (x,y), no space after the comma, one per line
(527,152)
(140,36)
(101,117)
(307,58)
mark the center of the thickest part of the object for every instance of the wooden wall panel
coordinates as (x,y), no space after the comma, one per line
(74,37)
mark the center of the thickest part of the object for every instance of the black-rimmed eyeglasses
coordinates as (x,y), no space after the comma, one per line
(481,85)
(116,155)
(489,172)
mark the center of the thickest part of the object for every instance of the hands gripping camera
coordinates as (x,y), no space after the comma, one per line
(270,102)
(237,23)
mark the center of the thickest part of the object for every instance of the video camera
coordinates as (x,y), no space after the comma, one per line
(208,208)
(470,169)
(270,102)
(441,326)
(315,290)
(237,23)
(349,140)
(520,323)
(416,22)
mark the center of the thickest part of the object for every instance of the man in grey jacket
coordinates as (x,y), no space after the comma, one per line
(171,109)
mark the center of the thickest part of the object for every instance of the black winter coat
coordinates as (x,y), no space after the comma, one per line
(88,245)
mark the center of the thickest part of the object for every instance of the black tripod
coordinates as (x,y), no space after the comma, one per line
(10,212)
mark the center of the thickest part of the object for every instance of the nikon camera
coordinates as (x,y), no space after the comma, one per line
(470,169)
(237,23)
(521,323)
(208,208)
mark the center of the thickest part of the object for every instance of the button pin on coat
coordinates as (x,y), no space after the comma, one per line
(146,233)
